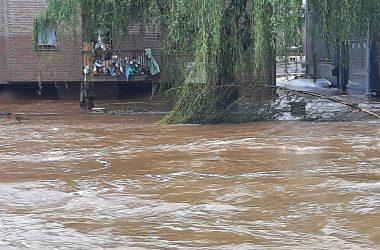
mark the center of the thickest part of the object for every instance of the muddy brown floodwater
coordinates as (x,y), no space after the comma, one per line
(70,180)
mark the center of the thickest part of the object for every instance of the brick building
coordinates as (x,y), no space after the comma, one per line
(60,64)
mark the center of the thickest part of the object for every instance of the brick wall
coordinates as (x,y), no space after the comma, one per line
(24,64)
(140,37)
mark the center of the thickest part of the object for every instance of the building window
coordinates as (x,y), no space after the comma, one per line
(47,38)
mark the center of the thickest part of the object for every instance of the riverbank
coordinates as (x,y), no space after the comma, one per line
(354,96)
(285,107)
(42,110)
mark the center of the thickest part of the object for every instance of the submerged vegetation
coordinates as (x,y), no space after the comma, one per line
(223,40)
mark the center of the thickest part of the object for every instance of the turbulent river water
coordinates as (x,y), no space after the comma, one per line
(70,180)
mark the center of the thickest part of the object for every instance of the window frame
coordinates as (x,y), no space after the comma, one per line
(43,32)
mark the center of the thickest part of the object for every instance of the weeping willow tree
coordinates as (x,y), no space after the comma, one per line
(223,40)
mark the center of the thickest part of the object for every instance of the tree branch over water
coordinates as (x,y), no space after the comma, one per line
(226,42)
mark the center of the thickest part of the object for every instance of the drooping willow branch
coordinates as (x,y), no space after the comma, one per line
(216,36)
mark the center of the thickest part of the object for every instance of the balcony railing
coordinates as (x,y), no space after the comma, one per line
(113,64)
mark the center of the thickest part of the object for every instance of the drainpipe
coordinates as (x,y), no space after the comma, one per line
(368,64)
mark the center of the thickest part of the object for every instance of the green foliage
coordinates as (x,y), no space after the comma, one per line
(339,20)
(217,35)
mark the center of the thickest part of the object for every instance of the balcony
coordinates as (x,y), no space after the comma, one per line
(112,65)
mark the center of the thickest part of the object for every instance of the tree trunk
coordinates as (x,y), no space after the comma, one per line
(232,49)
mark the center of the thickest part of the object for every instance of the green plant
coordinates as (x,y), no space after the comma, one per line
(226,38)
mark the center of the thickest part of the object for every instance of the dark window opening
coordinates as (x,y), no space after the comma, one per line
(47,38)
